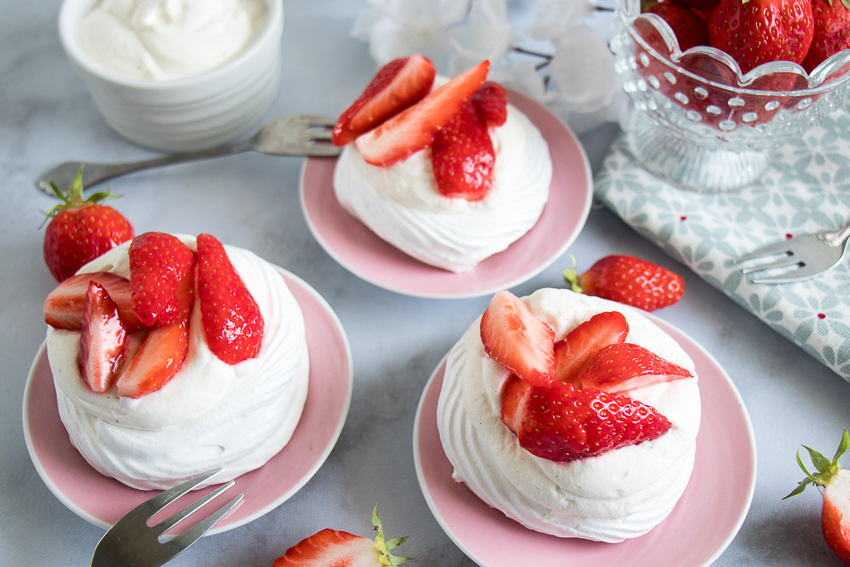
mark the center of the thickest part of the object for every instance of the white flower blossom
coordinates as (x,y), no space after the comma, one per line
(553,18)
(488,36)
(583,67)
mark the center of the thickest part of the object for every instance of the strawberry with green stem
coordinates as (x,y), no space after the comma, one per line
(835,484)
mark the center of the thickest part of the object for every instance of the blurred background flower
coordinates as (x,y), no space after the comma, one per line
(555,51)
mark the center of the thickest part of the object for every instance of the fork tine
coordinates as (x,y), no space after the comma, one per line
(196,532)
(783,247)
(783,263)
(159,502)
(325,134)
(178,517)
(803,273)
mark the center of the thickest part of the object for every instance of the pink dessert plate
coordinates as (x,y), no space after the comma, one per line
(701,526)
(367,256)
(102,500)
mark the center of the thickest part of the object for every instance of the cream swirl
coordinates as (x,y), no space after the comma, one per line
(210,414)
(615,496)
(402,205)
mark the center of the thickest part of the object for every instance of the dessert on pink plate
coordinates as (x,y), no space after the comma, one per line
(174,355)
(573,415)
(444,170)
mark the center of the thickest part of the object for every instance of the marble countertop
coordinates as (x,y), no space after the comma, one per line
(251,200)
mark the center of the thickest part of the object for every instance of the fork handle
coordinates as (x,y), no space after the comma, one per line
(95,173)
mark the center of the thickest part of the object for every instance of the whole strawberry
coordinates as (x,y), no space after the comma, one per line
(463,157)
(332,548)
(755,32)
(629,280)
(81,229)
(835,481)
(832,31)
(690,28)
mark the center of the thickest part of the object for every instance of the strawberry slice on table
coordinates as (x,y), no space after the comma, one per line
(81,229)
(398,85)
(414,129)
(562,424)
(232,320)
(835,481)
(331,548)
(463,157)
(628,280)
(625,367)
(63,308)
(518,340)
(103,339)
(491,103)
(831,31)
(580,344)
(159,262)
(159,358)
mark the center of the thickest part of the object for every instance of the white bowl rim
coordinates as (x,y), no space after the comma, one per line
(68,36)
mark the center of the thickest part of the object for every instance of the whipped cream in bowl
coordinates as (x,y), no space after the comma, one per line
(617,495)
(210,413)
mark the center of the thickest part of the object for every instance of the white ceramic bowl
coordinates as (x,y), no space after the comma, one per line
(188,114)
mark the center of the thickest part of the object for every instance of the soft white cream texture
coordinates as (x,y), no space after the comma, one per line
(618,495)
(402,205)
(210,414)
(169,39)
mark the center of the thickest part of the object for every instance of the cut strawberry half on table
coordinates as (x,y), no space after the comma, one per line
(625,367)
(332,548)
(158,264)
(158,359)
(561,424)
(462,156)
(580,344)
(491,103)
(398,85)
(232,321)
(63,308)
(103,339)
(518,340)
(414,129)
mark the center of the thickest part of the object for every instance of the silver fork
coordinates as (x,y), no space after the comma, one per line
(298,135)
(131,543)
(802,257)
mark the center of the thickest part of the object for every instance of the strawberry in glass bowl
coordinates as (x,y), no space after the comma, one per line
(706,118)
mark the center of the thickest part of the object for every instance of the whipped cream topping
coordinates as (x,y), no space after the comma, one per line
(618,495)
(210,414)
(402,205)
(169,39)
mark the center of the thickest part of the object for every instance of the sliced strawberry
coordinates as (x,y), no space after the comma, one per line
(103,339)
(398,85)
(414,129)
(572,353)
(513,402)
(625,367)
(63,308)
(518,340)
(563,424)
(232,320)
(156,362)
(491,103)
(332,548)
(158,263)
(463,158)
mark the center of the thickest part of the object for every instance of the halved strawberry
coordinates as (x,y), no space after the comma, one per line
(625,367)
(398,85)
(572,353)
(332,548)
(158,263)
(158,359)
(518,340)
(491,103)
(463,158)
(103,339)
(414,129)
(514,398)
(561,424)
(232,320)
(63,308)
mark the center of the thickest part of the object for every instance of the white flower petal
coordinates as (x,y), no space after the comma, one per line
(553,18)
(488,35)
(583,67)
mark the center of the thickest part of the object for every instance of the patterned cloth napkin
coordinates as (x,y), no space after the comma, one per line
(806,189)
